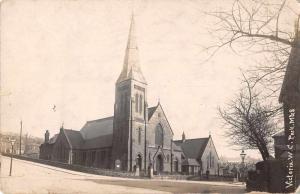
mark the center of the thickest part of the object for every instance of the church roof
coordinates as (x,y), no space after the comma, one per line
(151,110)
(98,142)
(53,139)
(190,162)
(77,142)
(131,67)
(96,128)
(74,138)
(192,148)
(176,147)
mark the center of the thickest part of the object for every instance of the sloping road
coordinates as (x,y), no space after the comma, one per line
(30,177)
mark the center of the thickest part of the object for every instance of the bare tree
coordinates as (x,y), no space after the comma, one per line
(257,26)
(253,23)
(249,122)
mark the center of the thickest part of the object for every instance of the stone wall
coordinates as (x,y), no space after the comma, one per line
(105,172)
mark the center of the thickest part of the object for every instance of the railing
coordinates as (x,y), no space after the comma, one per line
(98,171)
(171,176)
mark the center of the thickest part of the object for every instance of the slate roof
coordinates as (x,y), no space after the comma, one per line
(190,162)
(98,142)
(77,142)
(74,138)
(53,139)
(151,110)
(176,147)
(192,148)
(96,128)
(94,134)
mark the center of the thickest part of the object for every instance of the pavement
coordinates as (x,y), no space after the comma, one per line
(298,190)
(30,177)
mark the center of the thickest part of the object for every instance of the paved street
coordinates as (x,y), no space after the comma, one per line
(29,177)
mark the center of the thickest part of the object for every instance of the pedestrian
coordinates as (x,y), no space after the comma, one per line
(207,174)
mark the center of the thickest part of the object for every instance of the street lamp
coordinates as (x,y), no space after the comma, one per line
(12,141)
(243,155)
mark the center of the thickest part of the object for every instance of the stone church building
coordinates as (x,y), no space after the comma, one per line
(137,136)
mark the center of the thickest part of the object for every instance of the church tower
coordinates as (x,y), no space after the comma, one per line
(130,110)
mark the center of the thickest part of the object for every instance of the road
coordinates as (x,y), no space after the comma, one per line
(30,177)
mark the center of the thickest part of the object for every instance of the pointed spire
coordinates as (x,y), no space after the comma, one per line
(131,66)
(183,137)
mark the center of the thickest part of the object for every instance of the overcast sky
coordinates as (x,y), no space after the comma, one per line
(70,53)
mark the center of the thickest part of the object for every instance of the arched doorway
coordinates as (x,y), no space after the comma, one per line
(139,161)
(176,165)
(159,164)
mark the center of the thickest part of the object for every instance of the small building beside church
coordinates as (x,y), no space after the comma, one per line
(136,136)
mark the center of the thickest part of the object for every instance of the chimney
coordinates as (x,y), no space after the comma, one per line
(61,128)
(47,136)
(183,137)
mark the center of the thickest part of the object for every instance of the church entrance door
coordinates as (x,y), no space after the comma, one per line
(159,164)
(139,161)
(176,165)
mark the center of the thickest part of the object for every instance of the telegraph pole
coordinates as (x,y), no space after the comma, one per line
(145,145)
(12,142)
(20,138)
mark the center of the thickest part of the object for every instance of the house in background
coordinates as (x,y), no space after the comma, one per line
(29,144)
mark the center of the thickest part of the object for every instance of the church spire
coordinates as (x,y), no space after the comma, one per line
(131,66)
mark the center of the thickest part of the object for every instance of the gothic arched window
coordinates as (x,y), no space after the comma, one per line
(122,103)
(136,103)
(207,160)
(126,99)
(210,160)
(139,135)
(159,135)
(141,104)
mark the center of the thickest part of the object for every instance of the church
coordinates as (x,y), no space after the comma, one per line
(136,136)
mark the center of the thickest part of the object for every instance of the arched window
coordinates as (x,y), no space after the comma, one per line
(141,104)
(159,135)
(210,160)
(121,103)
(139,135)
(126,105)
(207,159)
(136,103)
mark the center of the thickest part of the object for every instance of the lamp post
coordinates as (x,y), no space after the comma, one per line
(12,141)
(243,155)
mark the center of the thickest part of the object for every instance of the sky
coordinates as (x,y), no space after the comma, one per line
(70,54)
